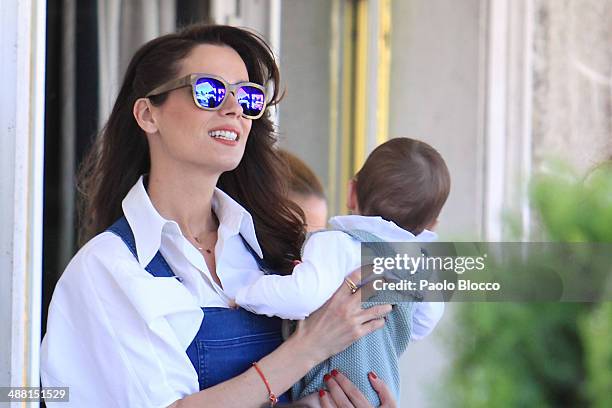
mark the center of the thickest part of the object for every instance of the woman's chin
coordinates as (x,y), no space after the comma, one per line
(219,162)
(229,165)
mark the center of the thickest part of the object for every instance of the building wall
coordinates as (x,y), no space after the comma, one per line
(304,64)
(573,81)
(435,96)
(435,85)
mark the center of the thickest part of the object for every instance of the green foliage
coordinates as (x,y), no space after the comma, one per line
(519,355)
(542,354)
(596,329)
(572,209)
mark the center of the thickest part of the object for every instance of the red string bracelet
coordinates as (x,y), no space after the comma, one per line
(272,397)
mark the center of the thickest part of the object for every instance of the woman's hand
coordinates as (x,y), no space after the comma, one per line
(339,322)
(329,330)
(343,393)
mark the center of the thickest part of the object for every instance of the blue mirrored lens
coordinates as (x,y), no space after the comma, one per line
(251,99)
(209,92)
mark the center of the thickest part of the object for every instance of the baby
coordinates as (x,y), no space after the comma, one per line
(397,196)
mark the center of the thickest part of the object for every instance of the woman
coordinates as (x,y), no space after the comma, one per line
(306,190)
(140,317)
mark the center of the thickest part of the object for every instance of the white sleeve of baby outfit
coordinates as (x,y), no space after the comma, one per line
(326,260)
(425,318)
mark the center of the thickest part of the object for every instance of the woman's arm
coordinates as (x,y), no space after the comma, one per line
(326,332)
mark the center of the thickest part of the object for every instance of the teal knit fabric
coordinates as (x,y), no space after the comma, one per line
(378,351)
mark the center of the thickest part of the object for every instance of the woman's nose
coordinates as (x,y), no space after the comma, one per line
(231,105)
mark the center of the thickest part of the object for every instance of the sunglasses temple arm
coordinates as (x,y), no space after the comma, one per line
(170,86)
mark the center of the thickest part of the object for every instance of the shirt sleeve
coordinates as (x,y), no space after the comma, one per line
(328,257)
(425,319)
(427,314)
(100,346)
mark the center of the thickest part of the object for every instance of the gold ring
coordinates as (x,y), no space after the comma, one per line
(351,285)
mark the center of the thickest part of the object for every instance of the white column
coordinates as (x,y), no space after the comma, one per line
(274,39)
(22,52)
(508,116)
(495,126)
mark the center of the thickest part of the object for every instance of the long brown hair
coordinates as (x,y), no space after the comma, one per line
(301,179)
(121,152)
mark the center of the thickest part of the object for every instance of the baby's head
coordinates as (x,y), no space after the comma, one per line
(403,180)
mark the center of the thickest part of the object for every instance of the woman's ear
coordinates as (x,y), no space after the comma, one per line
(351,197)
(143,115)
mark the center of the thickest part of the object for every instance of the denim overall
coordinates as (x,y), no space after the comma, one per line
(229,340)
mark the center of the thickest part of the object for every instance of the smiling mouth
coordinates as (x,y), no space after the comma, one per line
(224,134)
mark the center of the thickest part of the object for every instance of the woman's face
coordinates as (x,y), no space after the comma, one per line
(315,210)
(186,135)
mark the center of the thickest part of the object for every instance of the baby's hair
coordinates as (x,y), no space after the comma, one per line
(405,181)
(301,179)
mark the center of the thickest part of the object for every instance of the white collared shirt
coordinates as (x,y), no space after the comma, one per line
(115,334)
(329,256)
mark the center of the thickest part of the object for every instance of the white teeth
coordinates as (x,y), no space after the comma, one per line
(223,134)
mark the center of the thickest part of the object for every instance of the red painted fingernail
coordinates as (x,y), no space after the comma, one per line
(326,377)
(334,372)
(321,393)
(372,375)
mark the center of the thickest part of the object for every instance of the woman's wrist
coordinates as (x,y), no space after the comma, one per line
(306,353)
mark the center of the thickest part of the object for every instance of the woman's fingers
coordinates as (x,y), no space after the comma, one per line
(371,326)
(309,401)
(347,391)
(343,393)
(365,320)
(366,285)
(325,399)
(336,392)
(376,312)
(340,321)
(384,394)
(355,276)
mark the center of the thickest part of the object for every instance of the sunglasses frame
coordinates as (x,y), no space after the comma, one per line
(191,79)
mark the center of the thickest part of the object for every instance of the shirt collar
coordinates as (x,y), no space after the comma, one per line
(234,219)
(386,230)
(147,224)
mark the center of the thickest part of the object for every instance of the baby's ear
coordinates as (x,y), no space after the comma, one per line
(351,196)
(433,225)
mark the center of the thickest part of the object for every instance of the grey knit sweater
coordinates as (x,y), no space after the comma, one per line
(378,351)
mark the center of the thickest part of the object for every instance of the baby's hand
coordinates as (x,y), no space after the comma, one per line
(232,304)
